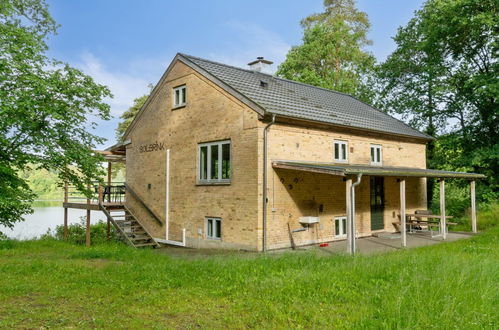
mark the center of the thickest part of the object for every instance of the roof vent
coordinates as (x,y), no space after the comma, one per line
(263,83)
(260,64)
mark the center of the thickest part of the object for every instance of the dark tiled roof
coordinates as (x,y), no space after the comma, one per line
(297,100)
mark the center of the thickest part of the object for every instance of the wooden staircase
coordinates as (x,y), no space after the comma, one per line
(128,227)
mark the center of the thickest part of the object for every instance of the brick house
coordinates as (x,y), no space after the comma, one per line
(224,157)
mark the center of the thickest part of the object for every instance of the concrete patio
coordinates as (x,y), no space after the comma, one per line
(386,243)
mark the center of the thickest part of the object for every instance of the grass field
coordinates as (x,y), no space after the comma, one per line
(49,283)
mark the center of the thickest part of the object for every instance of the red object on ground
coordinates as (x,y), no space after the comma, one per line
(324,244)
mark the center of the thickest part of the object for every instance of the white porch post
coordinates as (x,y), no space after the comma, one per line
(403,232)
(473,206)
(348,196)
(442,209)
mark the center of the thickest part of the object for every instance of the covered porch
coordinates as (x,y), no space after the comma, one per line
(352,177)
(382,244)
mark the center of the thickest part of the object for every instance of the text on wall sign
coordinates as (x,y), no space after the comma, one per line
(152,147)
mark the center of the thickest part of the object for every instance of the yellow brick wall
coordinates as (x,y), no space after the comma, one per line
(293,194)
(210,115)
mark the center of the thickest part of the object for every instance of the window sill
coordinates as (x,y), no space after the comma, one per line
(201,183)
(376,164)
(341,161)
(179,106)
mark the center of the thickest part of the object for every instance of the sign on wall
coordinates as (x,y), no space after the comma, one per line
(152,147)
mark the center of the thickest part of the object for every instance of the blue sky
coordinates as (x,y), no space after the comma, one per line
(127,44)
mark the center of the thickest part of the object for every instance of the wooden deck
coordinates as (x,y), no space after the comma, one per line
(92,206)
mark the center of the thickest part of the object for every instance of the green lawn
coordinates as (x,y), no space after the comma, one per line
(55,284)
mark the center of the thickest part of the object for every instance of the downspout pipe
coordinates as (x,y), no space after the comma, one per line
(352,212)
(264,193)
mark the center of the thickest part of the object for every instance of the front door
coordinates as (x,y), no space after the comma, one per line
(377,202)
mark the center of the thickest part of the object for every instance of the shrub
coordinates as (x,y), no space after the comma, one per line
(457,199)
(77,232)
(487,217)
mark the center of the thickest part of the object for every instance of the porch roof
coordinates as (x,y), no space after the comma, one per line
(344,169)
(115,153)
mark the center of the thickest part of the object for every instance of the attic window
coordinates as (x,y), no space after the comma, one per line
(263,83)
(179,96)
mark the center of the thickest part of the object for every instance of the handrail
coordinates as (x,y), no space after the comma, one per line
(74,194)
(143,227)
(110,218)
(134,194)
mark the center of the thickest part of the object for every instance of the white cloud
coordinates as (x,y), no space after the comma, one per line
(125,87)
(247,41)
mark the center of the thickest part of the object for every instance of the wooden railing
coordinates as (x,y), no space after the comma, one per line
(113,193)
(110,219)
(141,202)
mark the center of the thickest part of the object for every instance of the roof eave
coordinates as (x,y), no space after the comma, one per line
(311,121)
(343,170)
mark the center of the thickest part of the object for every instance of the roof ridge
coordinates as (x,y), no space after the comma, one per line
(219,63)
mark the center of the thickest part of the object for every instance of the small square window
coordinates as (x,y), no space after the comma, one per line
(340,151)
(340,227)
(376,154)
(179,96)
(213,228)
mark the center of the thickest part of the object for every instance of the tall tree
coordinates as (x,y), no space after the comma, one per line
(128,116)
(332,54)
(443,78)
(44,106)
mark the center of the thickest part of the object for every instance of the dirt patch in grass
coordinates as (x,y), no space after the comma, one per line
(100,263)
(183,252)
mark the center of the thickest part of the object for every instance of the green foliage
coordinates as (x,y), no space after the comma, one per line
(128,116)
(45,184)
(77,232)
(332,54)
(443,79)
(487,218)
(44,106)
(15,197)
(448,286)
(457,198)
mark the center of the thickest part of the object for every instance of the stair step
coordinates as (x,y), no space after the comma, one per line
(119,217)
(125,222)
(139,232)
(138,237)
(145,244)
(131,228)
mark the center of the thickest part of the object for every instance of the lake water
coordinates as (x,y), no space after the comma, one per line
(47,216)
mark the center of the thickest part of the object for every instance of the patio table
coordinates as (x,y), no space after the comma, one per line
(418,220)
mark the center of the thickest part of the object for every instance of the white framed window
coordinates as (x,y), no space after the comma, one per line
(340,227)
(340,151)
(213,228)
(376,154)
(179,96)
(214,162)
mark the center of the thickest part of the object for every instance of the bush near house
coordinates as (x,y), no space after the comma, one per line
(487,217)
(77,232)
(49,283)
